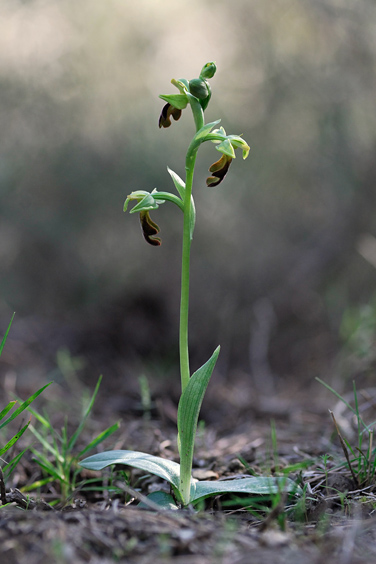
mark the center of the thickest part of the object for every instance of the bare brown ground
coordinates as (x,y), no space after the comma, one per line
(336,524)
(97,528)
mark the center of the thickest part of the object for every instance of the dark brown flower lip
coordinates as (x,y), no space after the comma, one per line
(149,229)
(167,112)
(219,170)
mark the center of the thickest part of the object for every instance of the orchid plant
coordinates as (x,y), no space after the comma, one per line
(195,94)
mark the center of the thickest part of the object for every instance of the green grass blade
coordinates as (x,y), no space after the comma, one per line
(78,431)
(52,449)
(8,468)
(7,409)
(24,405)
(38,484)
(99,438)
(6,335)
(42,420)
(14,439)
(346,403)
(48,467)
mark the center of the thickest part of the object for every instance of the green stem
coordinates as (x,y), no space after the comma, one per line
(198,116)
(184,296)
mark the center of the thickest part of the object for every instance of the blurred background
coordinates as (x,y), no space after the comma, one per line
(284,253)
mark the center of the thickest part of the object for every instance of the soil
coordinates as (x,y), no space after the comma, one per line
(336,521)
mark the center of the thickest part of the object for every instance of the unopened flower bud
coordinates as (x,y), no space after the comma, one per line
(199,88)
(208,71)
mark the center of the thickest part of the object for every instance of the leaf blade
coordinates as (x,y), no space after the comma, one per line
(24,405)
(6,334)
(188,412)
(165,469)
(14,439)
(260,485)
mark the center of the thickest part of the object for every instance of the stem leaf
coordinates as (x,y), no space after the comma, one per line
(206,129)
(188,412)
(179,183)
(180,187)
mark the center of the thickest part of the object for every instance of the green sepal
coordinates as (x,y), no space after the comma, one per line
(182,84)
(150,200)
(146,204)
(138,195)
(178,101)
(226,148)
(238,143)
(221,133)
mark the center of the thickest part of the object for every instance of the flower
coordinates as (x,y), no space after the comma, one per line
(219,170)
(149,229)
(167,112)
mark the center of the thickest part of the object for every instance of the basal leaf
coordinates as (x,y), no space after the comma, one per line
(259,485)
(165,469)
(164,500)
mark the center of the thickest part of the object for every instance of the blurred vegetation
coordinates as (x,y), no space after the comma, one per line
(293,244)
